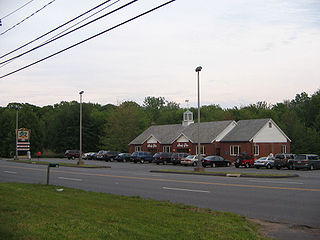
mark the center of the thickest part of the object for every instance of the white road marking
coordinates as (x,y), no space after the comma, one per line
(10,172)
(187,190)
(261,181)
(72,179)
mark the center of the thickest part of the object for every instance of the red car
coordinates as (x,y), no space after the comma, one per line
(244,160)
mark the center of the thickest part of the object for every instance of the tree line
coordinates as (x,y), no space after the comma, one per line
(54,129)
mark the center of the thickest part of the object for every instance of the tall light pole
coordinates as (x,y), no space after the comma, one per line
(80,162)
(199,166)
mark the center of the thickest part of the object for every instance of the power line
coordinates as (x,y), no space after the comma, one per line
(52,40)
(83,20)
(16,10)
(85,40)
(27,17)
(54,29)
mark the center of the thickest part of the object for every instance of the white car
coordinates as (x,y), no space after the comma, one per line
(191,160)
(267,162)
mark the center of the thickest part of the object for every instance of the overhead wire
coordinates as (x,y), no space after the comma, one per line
(54,29)
(16,10)
(83,20)
(87,39)
(58,37)
(26,18)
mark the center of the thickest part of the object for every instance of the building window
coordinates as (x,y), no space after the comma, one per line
(202,150)
(284,148)
(167,148)
(137,148)
(270,125)
(234,150)
(256,150)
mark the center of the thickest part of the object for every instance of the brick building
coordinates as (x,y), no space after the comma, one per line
(258,137)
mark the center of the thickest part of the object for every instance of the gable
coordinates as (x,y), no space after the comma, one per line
(152,139)
(182,138)
(269,133)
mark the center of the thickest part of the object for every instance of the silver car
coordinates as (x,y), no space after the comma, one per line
(190,160)
(267,162)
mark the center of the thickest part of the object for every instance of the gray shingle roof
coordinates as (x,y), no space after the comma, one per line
(166,134)
(245,130)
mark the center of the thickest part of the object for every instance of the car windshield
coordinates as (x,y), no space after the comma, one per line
(300,157)
(263,158)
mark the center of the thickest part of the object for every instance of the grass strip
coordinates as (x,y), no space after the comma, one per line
(60,164)
(224,174)
(33,211)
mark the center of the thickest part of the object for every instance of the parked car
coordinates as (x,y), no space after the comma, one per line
(191,160)
(106,155)
(123,157)
(72,154)
(89,156)
(215,161)
(176,157)
(308,161)
(162,157)
(244,160)
(283,160)
(141,157)
(100,154)
(267,162)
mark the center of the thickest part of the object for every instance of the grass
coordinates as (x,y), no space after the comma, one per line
(225,173)
(32,211)
(60,163)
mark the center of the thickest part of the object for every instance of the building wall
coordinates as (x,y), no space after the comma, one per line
(248,147)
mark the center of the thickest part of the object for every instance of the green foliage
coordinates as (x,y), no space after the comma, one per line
(110,127)
(31,211)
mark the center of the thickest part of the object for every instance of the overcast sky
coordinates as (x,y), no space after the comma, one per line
(250,51)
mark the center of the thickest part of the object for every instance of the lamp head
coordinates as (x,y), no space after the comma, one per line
(198,69)
(81,92)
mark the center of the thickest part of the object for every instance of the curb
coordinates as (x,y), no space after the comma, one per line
(46,164)
(228,174)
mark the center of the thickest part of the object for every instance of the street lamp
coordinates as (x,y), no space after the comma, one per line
(199,167)
(80,162)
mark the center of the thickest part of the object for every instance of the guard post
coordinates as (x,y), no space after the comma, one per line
(48,170)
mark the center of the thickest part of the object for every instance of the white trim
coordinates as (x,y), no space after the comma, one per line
(225,131)
(151,137)
(267,124)
(167,146)
(254,150)
(235,154)
(137,148)
(181,134)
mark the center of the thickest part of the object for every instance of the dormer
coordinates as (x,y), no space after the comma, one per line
(187,118)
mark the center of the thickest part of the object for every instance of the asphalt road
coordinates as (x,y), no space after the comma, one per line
(291,201)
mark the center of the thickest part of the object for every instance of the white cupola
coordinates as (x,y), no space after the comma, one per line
(187,118)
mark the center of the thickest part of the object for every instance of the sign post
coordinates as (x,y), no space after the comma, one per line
(23,140)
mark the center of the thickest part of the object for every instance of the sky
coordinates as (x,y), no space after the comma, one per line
(249,50)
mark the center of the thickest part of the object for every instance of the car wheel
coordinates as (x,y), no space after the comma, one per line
(142,161)
(213,165)
(290,167)
(194,164)
(164,162)
(236,165)
(228,164)
(311,167)
(247,165)
(257,167)
(268,166)
(72,157)
(203,165)
(278,167)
